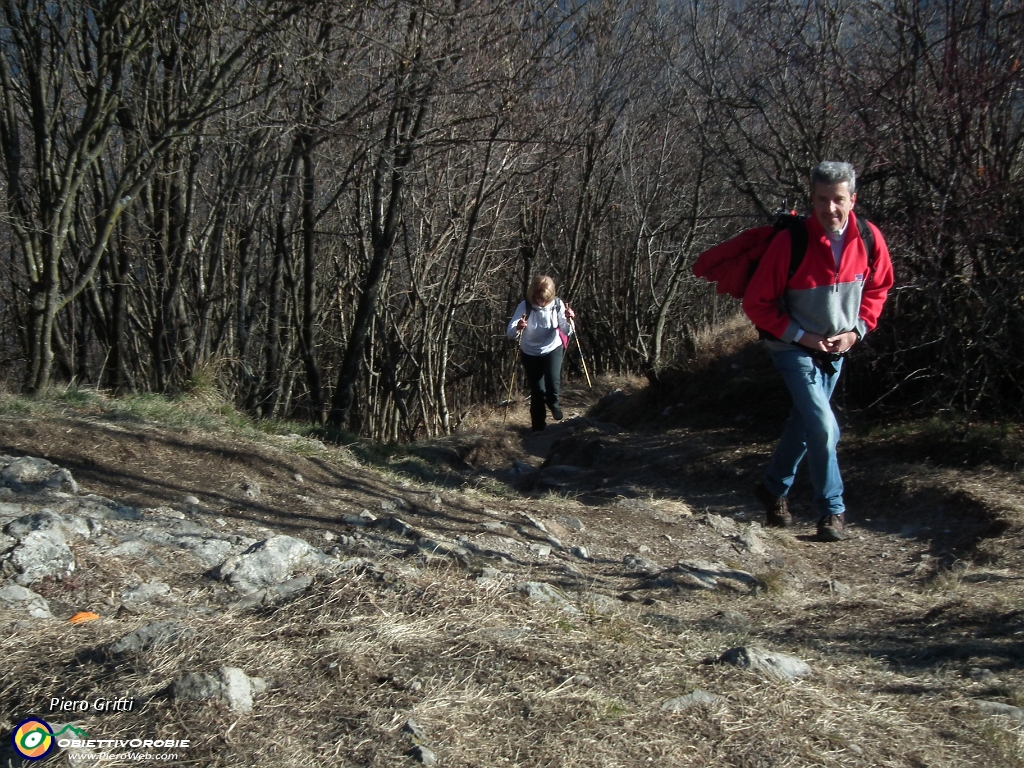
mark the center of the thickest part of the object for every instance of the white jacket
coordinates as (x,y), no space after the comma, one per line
(541,333)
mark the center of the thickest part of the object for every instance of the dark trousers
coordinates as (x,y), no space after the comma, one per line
(544,375)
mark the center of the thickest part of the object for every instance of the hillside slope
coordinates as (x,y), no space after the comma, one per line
(504,598)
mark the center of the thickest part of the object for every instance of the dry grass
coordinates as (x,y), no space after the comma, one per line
(894,622)
(494,681)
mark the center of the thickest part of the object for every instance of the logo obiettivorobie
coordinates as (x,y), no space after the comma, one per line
(33,738)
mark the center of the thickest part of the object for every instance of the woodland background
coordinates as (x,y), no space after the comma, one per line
(330,209)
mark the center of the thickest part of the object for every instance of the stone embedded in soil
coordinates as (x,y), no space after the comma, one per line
(229,686)
(415,730)
(272,561)
(39,554)
(777,665)
(423,754)
(997,708)
(539,592)
(642,564)
(22,598)
(698,574)
(154,635)
(689,701)
(751,541)
(571,523)
(274,594)
(28,473)
(724,525)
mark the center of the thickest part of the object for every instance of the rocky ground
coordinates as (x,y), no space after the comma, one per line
(601,594)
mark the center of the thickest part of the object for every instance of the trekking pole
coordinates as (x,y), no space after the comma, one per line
(572,326)
(512,381)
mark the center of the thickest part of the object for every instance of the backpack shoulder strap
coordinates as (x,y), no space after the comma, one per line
(797,244)
(864,228)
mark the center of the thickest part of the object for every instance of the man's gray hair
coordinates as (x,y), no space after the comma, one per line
(831,172)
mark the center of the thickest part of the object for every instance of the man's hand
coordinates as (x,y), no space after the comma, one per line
(841,342)
(835,345)
(814,341)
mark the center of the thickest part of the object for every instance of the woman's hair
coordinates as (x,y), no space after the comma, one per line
(542,290)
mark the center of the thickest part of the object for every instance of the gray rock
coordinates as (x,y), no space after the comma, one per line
(724,525)
(572,523)
(423,754)
(731,621)
(581,552)
(272,561)
(40,554)
(698,574)
(776,665)
(600,604)
(538,524)
(91,505)
(488,575)
(30,473)
(982,675)
(996,708)
(277,593)
(838,588)
(229,686)
(689,701)
(541,550)
(251,488)
(133,548)
(43,520)
(153,591)
(396,525)
(209,551)
(413,729)
(10,510)
(177,514)
(440,548)
(157,634)
(541,593)
(21,598)
(637,563)
(751,541)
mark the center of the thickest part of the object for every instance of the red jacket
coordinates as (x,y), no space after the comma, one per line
(817,298)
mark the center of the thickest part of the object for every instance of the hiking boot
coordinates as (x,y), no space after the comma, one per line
(776,507)
(556,413)
(830,527)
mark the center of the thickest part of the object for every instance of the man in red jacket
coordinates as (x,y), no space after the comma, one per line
(810,320)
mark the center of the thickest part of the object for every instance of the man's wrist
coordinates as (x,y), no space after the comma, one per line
(799,335)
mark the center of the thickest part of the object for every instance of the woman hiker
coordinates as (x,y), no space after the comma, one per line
(542,324)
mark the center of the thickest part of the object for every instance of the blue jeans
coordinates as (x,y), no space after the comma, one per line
(811,430)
